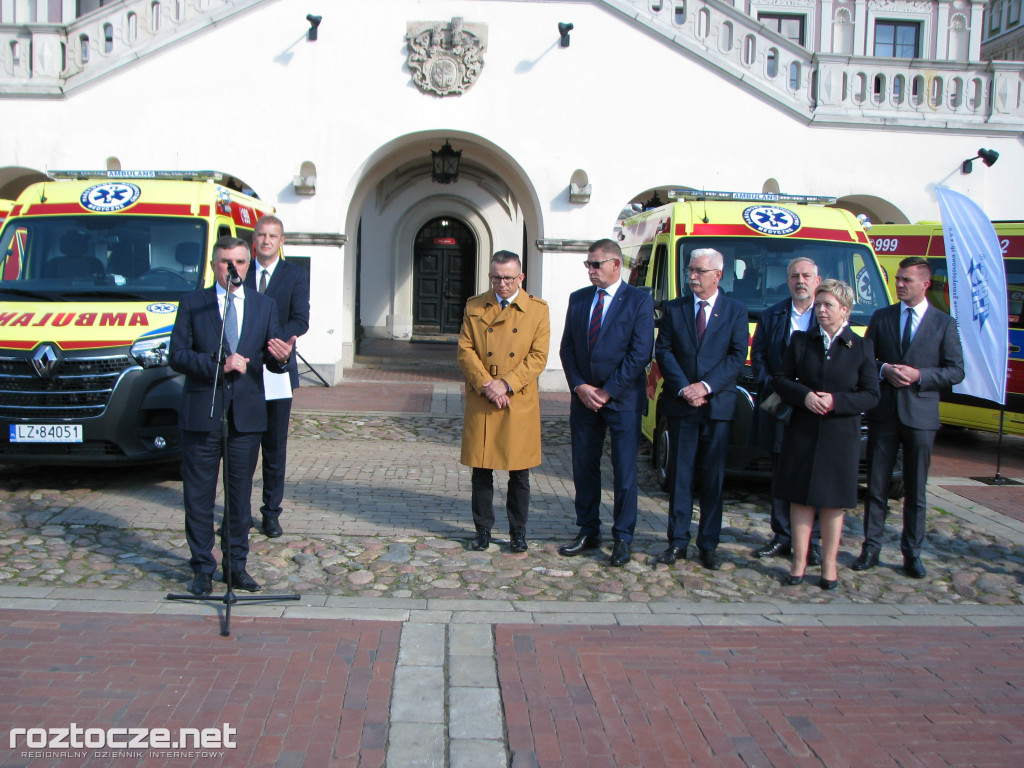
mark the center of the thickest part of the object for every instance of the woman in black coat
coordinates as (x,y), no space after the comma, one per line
(829,378)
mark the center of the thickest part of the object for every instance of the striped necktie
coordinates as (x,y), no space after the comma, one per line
(596,317)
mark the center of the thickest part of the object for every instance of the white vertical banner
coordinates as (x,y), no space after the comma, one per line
(977,295)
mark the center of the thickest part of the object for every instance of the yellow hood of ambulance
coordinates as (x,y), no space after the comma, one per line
(83,325)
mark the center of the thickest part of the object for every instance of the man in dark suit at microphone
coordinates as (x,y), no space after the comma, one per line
(251,340)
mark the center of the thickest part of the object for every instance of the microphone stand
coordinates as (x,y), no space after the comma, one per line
(229,598)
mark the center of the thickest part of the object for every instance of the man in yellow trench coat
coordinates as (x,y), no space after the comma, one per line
(503,348)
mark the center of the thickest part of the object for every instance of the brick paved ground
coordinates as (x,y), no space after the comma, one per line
(583,697)
(299,693)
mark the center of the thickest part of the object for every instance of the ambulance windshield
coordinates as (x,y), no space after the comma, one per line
(755,270)
(102,257)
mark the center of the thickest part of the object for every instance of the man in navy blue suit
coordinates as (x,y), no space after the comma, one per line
(606,348)
(918,353)
(251,339)
(288,285)
(701,349)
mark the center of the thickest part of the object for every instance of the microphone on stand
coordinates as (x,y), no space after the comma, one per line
(233,277)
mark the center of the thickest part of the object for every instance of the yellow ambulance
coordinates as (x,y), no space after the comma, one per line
(5,208)
(895,242)
(758,235)
(92,265)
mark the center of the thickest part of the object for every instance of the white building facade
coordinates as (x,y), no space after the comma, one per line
(873,102)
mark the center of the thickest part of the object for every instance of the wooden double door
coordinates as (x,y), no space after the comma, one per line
(444,276)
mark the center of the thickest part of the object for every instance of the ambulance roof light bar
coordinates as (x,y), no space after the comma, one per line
(173,175)
(758,197)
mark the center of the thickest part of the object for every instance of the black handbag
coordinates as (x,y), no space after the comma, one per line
(775,406)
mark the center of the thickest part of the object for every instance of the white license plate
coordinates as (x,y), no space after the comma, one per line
(46,433)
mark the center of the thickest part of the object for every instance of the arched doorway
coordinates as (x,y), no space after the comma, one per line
(444,276)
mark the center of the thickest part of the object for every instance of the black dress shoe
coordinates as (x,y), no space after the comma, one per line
(482,541)
(814,555)
(866,561)
(621,553)
(914,567)
(271,528)
(581,543)
(518,543)
(774,548)
(709,559)
(792,580)
(202,585)
(670,555)
(242,580)
(828,585)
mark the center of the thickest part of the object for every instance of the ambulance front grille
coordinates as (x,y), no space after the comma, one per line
(80,388)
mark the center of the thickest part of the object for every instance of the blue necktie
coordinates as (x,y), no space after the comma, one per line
(702,321)
(905,343)
(231,323)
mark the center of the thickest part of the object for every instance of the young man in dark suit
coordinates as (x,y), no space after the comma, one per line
(606,348)
(917,349)
(288,285)
(251,340)
(701,349)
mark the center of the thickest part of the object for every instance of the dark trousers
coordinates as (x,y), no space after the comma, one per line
(587,431)
(274,445)
(517,503)
(781,528)
(884,440)
(699,446)
(200,472)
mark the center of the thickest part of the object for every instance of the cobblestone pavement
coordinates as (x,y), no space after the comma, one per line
(379,506)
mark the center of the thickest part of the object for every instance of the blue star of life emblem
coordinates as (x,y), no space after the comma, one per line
(112,196)
(771,220)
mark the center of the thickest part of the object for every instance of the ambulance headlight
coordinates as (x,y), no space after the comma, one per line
(151,352)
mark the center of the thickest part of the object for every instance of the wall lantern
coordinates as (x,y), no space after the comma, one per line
(445,164)
(564,28)
(987,156)
(314,23)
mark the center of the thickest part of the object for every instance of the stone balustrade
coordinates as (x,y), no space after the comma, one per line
(50,60)
(839,90)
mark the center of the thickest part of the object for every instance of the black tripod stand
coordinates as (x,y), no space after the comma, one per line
(229,597)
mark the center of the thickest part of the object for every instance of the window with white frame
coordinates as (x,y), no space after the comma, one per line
(898,39)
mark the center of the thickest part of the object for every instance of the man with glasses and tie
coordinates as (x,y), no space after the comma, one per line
(288,285)
(503,349)
(252,339)
(606,348)
(918,353)
(701,350)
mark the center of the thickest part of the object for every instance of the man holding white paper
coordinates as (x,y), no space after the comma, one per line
(288,285)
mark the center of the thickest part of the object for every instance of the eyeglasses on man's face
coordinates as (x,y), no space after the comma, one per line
(596,264)
(698,271)
(501,279)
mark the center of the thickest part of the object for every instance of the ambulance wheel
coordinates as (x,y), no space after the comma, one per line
(661,452)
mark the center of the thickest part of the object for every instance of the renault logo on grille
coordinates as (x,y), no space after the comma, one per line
(45,361)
